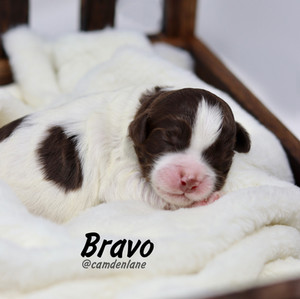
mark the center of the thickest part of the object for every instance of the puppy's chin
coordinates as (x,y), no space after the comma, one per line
(176,201)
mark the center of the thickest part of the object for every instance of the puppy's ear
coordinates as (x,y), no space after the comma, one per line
(138,128)
(242,141)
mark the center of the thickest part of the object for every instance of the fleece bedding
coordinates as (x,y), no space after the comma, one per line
(250,236)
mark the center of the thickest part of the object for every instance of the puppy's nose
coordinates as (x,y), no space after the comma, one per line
(189,184)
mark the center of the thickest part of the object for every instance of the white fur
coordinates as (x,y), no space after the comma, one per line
(249,235)
(207,127)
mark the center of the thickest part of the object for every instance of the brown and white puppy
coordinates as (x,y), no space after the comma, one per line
(173,149)
(185,142)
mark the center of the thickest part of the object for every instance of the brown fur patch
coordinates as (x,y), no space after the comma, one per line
(8,129)
(60,161)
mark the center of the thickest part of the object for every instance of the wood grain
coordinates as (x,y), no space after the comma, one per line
(6,76)
(179,18)
(97,14)
(12,13)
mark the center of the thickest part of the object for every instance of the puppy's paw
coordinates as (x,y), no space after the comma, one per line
(212,198)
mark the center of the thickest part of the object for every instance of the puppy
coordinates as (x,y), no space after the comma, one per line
(173,149)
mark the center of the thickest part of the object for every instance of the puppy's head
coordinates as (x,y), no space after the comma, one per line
(185,141)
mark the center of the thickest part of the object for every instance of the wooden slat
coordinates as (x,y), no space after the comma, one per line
(97,14)
(289,289)
(213,71)
(6,76)
(12,13)
(179,18)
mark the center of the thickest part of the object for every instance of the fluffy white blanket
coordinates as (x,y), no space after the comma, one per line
(249,236)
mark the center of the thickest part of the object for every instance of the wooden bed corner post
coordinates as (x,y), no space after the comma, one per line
(179,19)
(12,13)
(97,14)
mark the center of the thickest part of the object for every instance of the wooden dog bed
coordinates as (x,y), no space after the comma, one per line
(178,29)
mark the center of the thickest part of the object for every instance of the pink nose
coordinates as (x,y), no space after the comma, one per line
(189,184)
